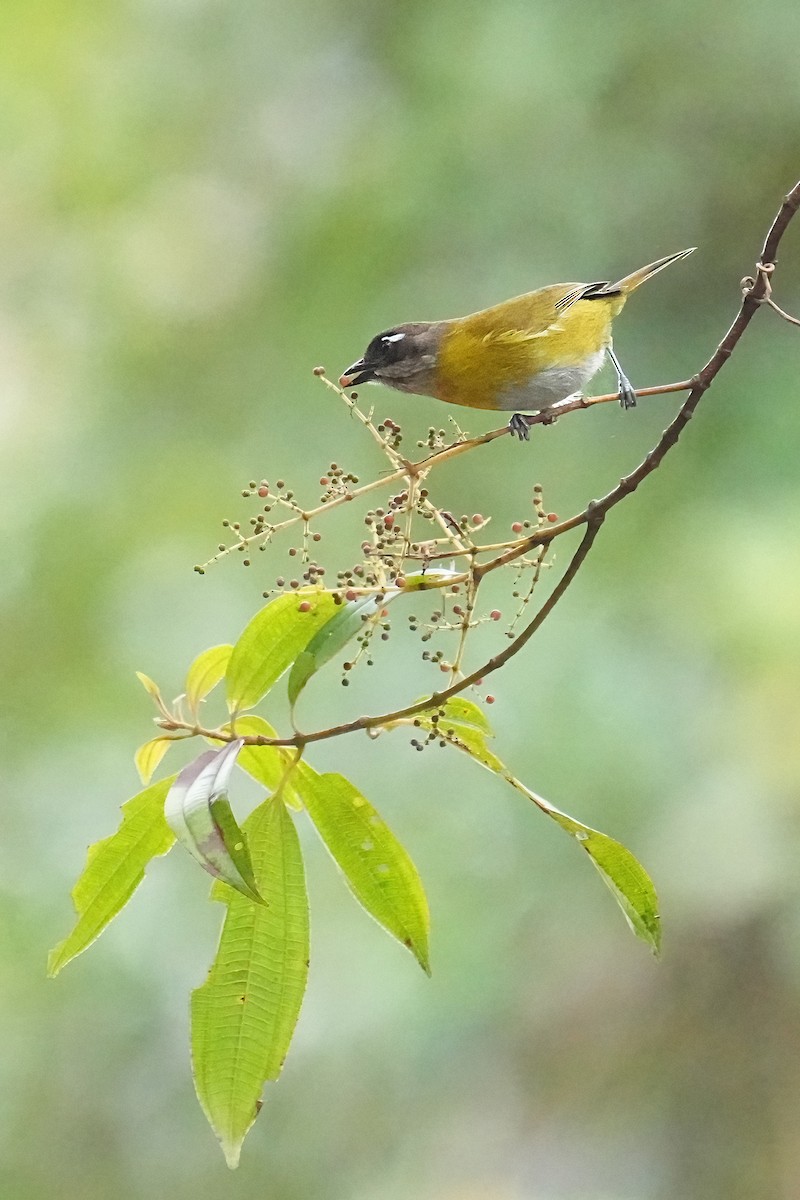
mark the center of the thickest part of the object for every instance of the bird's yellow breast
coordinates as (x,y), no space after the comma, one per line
(501,352)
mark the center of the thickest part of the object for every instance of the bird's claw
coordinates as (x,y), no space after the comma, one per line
(519,427)
(627,395)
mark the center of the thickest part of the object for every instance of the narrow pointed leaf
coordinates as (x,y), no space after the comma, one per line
(346,622)
(467,738)
(631,886)
(271,643)
(148,756)
(149,685)
(114,869)
(244,1015)
(434,577)
(205,673)
(375,865)
(465,712)
(621,871)
(198,812)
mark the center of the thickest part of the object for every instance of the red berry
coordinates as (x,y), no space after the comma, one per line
(263,491)
(516,527)
(350,594)
(552,517)
(490,699)
(304,606)
(324,481)
(495,614)
(477,519)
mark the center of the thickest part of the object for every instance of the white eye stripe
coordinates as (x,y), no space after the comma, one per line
(393,337)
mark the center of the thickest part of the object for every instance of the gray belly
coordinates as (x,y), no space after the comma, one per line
(550,386)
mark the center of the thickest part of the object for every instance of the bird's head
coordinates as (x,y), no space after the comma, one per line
(403,358)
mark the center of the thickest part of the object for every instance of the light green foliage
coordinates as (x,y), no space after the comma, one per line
(328,641)
(631,886)
(377,869)
(148,756)
(271,642)
(462,724)
(114,869)
(205,673)
(244,1015)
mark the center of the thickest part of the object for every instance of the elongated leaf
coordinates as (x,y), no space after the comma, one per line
(461,711)
(148,756)
(375,865)
(114,869)
(621,871)
(346,622)
(460,723)
(149,685)
(271,643)
(434,577)
(464,737)
(205,673)
(269,765)
(244,1015)
(199,814)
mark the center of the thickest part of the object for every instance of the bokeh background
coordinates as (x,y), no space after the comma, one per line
(199,202)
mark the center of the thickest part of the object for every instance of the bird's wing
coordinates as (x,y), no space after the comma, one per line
(586,291)
(516,337)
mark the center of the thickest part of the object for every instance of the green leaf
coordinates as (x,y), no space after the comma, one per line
(269,765)
(149,686)
(460,723)
(205,673)
(148,756)
(114,869)
(463,737)
(346,622)
(465,712)
(244,1015)
(271,643)
(621,871)
(198,812)
(375,865)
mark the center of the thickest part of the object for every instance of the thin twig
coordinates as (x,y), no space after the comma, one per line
(592,517)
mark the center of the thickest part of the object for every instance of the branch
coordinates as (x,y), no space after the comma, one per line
(755,291)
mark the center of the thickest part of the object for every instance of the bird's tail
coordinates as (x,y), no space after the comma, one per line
(631,282)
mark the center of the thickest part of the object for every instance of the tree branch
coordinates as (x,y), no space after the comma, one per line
(755,291)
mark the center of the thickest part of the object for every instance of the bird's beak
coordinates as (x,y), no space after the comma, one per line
(356,375)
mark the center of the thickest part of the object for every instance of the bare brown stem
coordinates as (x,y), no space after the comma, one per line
(755,292)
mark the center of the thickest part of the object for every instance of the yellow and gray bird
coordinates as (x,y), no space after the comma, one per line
(523,355)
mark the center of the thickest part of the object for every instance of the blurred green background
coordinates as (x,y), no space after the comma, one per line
(200,201)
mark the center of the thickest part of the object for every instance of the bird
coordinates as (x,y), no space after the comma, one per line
(523,355)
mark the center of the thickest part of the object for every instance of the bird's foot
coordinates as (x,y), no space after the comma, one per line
(519,427)
(627,394)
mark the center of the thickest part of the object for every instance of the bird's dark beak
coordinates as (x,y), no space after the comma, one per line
(356,375)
